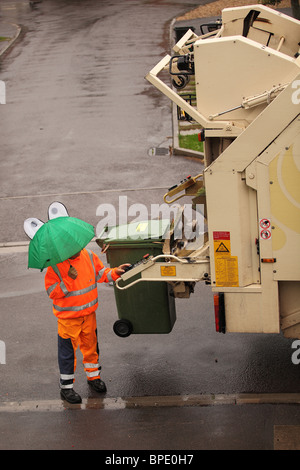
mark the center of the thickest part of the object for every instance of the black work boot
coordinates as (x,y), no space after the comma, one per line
(98,385)
(70,396)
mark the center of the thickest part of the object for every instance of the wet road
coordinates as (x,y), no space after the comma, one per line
(73,82)
(77,127)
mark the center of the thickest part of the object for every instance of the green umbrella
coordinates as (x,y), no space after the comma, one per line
(57,240)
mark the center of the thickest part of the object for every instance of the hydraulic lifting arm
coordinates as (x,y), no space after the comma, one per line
(173,269)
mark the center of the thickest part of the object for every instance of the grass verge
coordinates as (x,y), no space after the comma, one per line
(191,142)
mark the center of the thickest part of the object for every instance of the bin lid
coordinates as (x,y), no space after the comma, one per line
(136,232)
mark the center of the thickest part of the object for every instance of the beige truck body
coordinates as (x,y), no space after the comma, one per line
(247,85)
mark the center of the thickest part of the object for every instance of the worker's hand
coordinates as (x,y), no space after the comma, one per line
(72,273)
(121,269)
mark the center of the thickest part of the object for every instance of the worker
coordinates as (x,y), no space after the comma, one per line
(72,285)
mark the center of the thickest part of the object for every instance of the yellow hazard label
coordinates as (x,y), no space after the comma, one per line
(168,270)
(226,269)
(222,247)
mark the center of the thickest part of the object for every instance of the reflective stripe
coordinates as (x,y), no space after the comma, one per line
(62,284)
(100,274)
(63,288)
(92,260)
(51,288)
(75,292)
(90,366)
(66,386)
(66,376)
(75,309)
(81,291)
(56,270)
(93,374)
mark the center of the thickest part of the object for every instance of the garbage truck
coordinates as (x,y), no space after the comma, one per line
(246,75)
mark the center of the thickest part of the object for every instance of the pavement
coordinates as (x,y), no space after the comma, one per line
(211,422)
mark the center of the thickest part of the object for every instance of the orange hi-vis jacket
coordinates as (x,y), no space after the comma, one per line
(73,298)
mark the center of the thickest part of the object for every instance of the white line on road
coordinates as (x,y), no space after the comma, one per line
(123,190)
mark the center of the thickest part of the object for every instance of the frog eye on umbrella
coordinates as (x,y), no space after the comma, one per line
(32,225)
(57,209)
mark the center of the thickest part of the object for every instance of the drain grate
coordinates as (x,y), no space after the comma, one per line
(159,151)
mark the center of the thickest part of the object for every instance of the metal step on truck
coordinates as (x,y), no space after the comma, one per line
(247,87)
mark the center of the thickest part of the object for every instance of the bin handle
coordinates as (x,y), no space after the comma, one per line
(180,260)
(105,248)
(128,285)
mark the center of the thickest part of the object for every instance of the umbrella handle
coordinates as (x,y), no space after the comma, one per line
(73,274)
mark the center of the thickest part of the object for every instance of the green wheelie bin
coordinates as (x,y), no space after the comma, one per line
(148,306)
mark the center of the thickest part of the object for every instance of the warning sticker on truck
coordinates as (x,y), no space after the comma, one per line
(227,271)
(265,229)
(221,244)
(226,266)
(168,270)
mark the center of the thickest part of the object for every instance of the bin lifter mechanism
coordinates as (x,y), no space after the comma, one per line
(172,269)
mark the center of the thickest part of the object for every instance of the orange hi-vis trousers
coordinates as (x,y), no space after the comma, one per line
(74,332)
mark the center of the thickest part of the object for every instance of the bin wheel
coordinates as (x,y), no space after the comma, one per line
(180,81)
(123,328)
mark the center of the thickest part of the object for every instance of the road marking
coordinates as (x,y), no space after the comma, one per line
(21,246)
(12,6)
(30,196)
(152,402)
